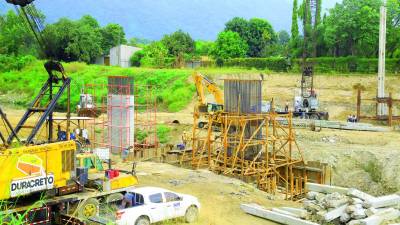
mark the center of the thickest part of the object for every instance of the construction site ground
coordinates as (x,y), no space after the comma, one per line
(365,160)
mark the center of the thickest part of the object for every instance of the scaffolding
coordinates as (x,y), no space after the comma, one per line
(388,102)
(124,115)
(250,144)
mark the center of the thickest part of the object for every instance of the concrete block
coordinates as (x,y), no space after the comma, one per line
(359,194)
(319,197)
(285,212)
(302,213)
(312,206)
(345,217)
(358,214)
(260,211)
(354,222)
(351,208)
(326,188)
(356,201)
(384,201)
(380,217)
(335,213)
(371,211)
(336,203)
(320,215)
(311,195)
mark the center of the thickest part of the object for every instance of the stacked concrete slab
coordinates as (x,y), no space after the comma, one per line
(349,206)
(326,204)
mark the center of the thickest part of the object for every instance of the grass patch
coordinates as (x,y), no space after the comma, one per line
(374,169)
(163,133)
(174,89)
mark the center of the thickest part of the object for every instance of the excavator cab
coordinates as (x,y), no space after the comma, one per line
(212,107)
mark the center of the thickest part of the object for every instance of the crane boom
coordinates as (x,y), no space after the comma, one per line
(44,104)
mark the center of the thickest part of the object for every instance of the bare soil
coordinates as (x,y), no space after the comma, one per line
(365,160)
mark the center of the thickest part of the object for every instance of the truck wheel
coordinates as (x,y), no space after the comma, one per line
(143,220)
(191,214)
(89,209)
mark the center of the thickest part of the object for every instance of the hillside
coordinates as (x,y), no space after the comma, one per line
(203,19)
(173,89)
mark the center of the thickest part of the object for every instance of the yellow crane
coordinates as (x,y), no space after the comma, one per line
(54,168)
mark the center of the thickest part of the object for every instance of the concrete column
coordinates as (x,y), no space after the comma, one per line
(382,109)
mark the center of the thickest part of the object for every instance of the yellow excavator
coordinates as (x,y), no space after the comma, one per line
(203,107)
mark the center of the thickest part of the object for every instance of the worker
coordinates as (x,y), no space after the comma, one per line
(125,153)
(185,138)
(297,106)
(354,119)
(287,107)
(77,132)
(127,201)
(85,136)
(61,135)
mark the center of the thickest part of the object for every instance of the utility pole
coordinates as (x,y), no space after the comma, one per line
(382,109)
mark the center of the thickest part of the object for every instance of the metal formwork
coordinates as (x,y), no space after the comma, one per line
(242,96)
(249,144)
(123,109)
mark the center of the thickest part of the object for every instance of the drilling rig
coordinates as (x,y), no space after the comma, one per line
(51,169)
(306,104)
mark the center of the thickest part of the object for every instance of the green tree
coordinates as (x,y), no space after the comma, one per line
(137,58)
(295,25)
(258,33)
(229,44)
(138,42)
(393,35)
(15,38)
(112,35)
(295,41)
(283,37)
(203,48)
(74,40)
(178,43)
(240,26)
(155,55)
(352,28)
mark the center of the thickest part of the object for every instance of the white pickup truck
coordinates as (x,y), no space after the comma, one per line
(146,205)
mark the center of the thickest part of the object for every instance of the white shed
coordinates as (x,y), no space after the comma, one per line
(121,54)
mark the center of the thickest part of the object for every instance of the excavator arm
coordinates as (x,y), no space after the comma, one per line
(201,83)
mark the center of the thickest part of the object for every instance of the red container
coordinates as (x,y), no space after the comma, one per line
(111,174)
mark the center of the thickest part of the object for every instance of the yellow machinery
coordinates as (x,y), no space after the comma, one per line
(201,82)
(203,107)
(90,161)
(36,168)
(96,170)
